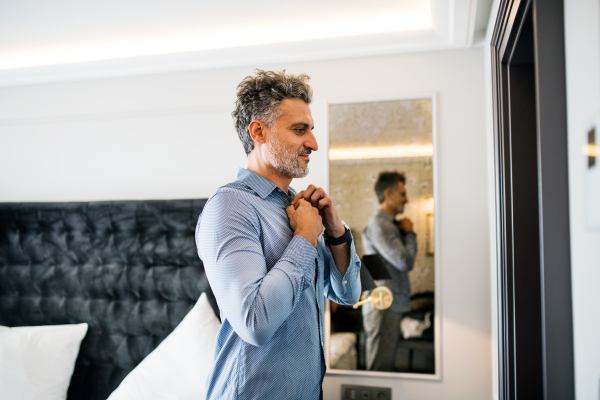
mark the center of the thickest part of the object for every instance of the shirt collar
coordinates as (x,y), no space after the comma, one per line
(386,216)
(262,186)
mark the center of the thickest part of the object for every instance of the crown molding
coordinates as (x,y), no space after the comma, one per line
(452,28)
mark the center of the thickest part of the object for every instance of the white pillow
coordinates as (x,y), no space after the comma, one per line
(36,362)
(179,366)
(343,350)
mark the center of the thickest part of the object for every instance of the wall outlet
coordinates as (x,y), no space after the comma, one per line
(354,392)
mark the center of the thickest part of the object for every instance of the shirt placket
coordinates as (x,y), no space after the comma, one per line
(287,201)
(320,312)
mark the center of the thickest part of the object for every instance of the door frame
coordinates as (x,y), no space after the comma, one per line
(551,279)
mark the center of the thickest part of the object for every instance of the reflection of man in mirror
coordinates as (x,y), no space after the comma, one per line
(396,243)
(271,254)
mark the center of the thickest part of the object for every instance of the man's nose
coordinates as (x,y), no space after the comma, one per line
(311,142)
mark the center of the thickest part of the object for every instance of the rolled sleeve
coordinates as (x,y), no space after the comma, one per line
(342,289)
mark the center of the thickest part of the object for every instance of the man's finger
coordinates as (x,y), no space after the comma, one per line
(297,197)
(302,202)
(290,211)
(324,202)
(307,194)
(317,194)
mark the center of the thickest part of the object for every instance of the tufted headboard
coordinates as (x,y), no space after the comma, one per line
(128,268)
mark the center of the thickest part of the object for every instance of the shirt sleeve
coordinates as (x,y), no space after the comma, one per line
(341,289)
(386,240)
(254,301)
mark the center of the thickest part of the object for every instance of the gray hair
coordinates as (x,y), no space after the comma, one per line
(259,97)
(387,180)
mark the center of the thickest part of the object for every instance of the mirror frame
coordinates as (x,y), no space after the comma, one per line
(437,244)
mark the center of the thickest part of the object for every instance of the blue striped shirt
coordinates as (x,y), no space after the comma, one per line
(270,287)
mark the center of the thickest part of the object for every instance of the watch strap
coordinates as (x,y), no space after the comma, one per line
(346,237)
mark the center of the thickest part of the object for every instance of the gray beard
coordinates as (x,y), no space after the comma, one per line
(285,160)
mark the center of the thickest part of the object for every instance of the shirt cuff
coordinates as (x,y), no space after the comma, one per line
(351,277)
(302,254)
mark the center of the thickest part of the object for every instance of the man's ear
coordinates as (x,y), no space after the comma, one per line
(258,131)
(386,194)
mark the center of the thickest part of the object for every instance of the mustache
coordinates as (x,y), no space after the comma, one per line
(304,152)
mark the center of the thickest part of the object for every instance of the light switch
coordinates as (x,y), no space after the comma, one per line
(592,179)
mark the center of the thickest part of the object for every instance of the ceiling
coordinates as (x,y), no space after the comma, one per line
(48,41)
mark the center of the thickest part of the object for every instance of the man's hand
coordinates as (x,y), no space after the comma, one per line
(305,221)
(317,199)
(405,225)
(322,202)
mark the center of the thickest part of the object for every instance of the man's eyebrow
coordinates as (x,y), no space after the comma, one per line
(301,125)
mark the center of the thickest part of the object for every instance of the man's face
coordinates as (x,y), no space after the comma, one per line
(291,139)
(398,198)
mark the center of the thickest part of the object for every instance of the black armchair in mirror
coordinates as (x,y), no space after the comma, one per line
(381,179)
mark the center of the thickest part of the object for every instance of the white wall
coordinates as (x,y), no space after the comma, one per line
(491,151)
(170,136)
(582,41)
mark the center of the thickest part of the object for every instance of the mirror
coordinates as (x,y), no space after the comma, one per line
(366,139)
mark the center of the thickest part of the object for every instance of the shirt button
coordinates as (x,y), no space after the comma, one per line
(322,344)
(345,282)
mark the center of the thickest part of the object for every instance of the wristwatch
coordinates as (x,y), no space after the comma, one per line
(346,237)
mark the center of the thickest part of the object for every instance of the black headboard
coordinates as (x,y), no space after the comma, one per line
(128,268)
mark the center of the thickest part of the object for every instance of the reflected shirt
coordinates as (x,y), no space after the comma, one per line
(398,250)
(270,287)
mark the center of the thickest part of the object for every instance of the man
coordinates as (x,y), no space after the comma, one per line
(396,243)
(265,252)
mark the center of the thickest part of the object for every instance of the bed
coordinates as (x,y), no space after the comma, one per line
(129,269)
